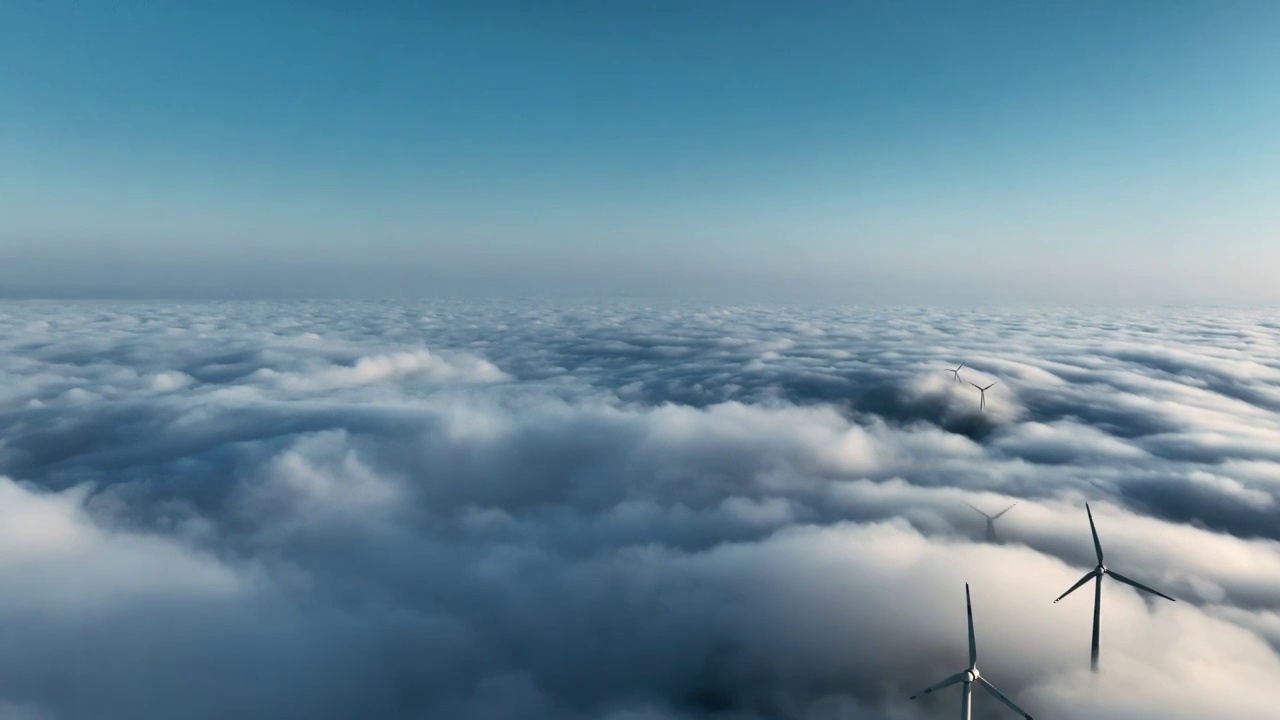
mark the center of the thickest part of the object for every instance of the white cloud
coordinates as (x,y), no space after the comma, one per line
(419,365)
(57,559)
(634,514)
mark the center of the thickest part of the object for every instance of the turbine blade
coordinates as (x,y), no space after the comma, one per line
(986,685)
(1097,544)
(975,384)
(980,512)
(1087,577)
(989,387)
(1004,511)
(1137,584)
(973,643)
(945,683)
(960,366)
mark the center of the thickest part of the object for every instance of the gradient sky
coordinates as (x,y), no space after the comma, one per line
(895,152)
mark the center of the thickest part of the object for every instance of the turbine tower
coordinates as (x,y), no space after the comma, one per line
(991,521)
(971,676)
(982,401)
(1096,574)
(956,373)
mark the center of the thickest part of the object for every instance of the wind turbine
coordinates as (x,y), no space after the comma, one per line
(1097,574)
(971,676)
(956,373)
(982,401)
(991,521)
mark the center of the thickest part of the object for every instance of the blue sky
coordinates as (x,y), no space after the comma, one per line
(897,152)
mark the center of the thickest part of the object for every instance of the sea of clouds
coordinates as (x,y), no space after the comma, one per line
(474,511)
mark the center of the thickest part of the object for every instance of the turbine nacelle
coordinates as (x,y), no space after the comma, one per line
(991,521)
(982,394)
(1096,575)
(970,677)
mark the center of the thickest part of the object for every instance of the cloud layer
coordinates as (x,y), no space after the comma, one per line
(448,510)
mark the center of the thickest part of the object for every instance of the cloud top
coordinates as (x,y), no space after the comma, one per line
(447,510)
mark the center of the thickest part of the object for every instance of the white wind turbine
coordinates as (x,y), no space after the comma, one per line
(991,521)
(956,373)
(982,401)
(971,676)
(1097,574)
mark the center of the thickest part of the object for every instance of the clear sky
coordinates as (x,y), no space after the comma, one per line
(869,151)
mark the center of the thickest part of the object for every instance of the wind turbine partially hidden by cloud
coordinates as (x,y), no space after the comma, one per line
(982,399)
(991,521)
(1097,574)
(971,676)
(956,373)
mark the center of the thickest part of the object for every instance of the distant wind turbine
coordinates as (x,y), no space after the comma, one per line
(971,676)
(956,373)
(1097,574)
(991,521)
(982,400)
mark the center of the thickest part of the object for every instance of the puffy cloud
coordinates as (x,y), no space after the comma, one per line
(445,510)
(57,559)
(420,365)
